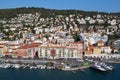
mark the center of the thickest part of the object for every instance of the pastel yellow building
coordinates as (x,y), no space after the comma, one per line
(97,50)
(100,43)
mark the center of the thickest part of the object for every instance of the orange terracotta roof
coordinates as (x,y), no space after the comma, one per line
(100,41)
(6,53)
(26,46)
(22,54)
(91,47)
(14,44)
(2,43)
(1,46)
(10,53)
(53,46)
(14,48)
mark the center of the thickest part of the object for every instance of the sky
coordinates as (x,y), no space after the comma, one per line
(86,5)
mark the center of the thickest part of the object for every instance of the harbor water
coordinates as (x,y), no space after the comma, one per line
(38,74)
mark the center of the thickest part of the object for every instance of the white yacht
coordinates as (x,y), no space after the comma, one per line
(17,66)
(107,67)
(98,67)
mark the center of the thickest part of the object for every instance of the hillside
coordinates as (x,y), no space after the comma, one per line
(10,13)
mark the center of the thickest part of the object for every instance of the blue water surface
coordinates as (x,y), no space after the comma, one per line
(37,74)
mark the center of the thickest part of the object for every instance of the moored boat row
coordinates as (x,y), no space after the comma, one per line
(23,66)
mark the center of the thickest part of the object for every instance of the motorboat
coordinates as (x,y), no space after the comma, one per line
(17,66)
(107,67)
(98,67)
(7,66)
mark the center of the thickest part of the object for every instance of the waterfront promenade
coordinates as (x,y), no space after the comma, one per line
(73,63)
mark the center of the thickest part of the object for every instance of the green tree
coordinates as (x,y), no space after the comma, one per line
(76,37)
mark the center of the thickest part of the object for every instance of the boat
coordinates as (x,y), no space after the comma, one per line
(23,66)
(98,67)
(7,66)
(2,66)
(38,66)
(68,68)
(43,67)
(107,67)
(17,66)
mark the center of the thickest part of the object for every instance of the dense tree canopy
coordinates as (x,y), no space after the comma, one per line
(10,13)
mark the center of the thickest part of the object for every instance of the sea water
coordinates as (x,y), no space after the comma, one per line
(38,74)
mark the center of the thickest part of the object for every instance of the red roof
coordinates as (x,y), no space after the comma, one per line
(36,35)
(1,46)
(55,46)
(100,41)
(14,44)
(14,48)
(10,53)
(26,46)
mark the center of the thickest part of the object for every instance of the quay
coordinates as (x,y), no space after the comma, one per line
(65,64)
(26,60)
(55,63)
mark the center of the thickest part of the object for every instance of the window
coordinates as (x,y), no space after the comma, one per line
(59,52)
(45,52)
(40,52)
(29,51)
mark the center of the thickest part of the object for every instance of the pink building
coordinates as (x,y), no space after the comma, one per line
(28,51)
